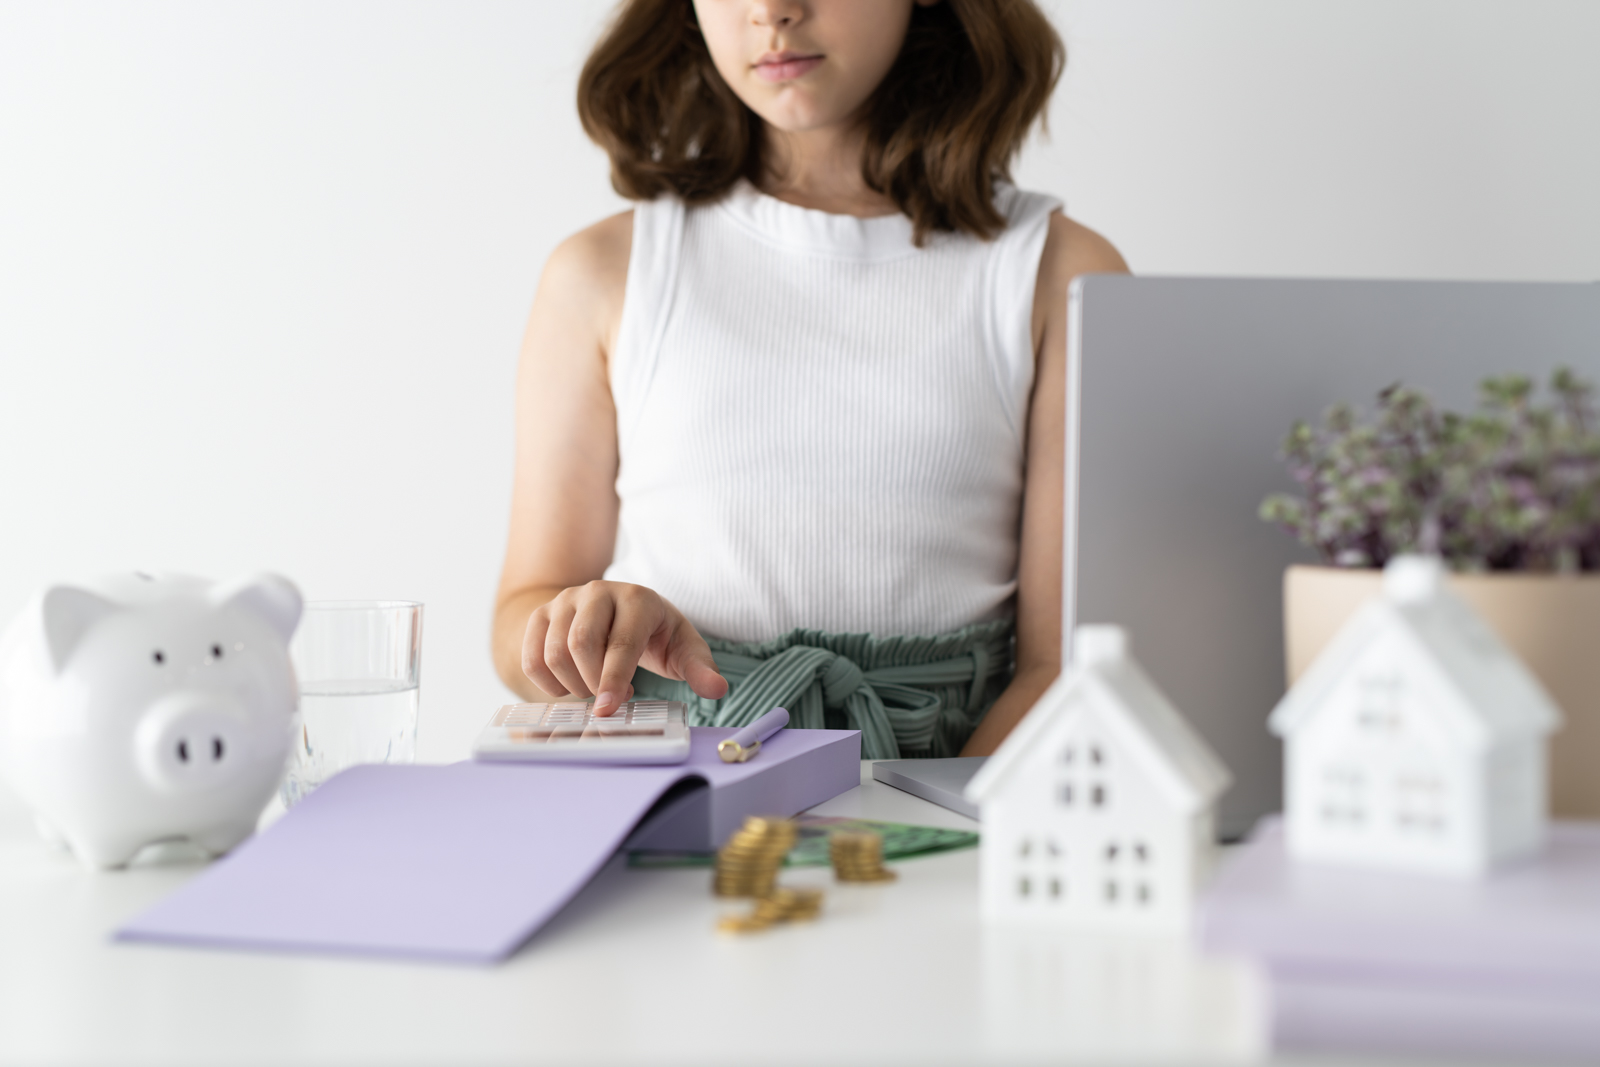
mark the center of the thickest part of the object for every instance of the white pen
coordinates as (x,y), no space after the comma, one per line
(747,742)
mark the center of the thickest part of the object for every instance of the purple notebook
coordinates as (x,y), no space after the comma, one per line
(465,862)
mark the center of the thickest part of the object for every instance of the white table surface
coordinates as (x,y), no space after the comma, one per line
(632,971)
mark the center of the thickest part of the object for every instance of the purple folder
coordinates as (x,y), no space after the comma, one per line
(465,862)
(1313,1011)
(1369,960)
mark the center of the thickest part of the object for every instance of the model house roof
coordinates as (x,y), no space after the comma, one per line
(1136,714)
(1494,696)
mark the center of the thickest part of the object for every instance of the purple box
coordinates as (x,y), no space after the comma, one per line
(812,766)
(1377,961)
(465,862)
(1314,1011)
(1539,918)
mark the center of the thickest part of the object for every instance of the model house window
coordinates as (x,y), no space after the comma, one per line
(1343,790)
(1093,793)
(1040,859)
(1111,855)
(1378,702)
(1419,802)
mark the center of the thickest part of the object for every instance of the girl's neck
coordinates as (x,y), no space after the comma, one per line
(821,170)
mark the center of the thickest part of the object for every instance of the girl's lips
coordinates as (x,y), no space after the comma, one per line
(786,68)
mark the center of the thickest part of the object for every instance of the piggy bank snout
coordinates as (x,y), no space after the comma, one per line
(192,741)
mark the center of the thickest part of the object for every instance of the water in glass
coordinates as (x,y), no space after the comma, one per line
(345,723)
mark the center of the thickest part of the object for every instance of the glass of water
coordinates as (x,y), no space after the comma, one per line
(359,663)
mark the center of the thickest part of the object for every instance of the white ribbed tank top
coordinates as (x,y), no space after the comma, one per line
(820,424)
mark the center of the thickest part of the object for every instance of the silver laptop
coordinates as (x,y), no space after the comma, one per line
(943,781)
(1181,392)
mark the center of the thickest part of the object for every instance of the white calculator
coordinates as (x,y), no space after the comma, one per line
(639,731)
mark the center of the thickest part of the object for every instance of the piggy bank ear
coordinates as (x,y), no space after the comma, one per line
(68,613)
(273,598)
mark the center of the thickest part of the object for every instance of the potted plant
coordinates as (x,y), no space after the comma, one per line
(1508,496)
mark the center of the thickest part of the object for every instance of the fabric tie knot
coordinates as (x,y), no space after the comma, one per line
(909,696)
(839,680)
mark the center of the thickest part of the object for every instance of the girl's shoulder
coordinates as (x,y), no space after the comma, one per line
(1071,249)
(586,277)
(594,255)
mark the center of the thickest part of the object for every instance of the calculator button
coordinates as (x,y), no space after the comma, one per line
(521,714)
(571,723)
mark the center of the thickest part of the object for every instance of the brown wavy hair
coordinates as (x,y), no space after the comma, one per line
(972,78)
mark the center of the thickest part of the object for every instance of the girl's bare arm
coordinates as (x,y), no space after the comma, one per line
(558,627)
(563,501)
(1070,250)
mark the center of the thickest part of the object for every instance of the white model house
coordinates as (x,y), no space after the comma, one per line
(1097,809)
(1417,739)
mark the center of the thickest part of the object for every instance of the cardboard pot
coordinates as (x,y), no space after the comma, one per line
(1551,621)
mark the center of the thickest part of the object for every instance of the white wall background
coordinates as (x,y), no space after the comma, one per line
(264,265)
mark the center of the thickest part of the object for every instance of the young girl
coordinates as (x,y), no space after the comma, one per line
(795,423)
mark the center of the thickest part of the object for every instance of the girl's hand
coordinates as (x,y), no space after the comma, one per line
(588,639)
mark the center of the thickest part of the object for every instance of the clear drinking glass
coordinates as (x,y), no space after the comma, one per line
(359,663)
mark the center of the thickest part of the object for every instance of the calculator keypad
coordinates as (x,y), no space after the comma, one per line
(574,720)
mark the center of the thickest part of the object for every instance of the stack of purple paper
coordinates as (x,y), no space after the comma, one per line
(466,862)
(1380,962)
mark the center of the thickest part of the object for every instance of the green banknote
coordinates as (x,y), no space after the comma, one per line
(811,849)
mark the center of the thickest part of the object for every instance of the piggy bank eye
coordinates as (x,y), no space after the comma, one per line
(159,656)
(216,651)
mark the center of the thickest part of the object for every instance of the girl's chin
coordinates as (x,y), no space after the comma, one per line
(801,116)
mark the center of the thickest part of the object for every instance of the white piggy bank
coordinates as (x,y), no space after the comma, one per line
(142,708)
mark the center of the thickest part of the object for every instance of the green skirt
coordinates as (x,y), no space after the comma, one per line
(909,696)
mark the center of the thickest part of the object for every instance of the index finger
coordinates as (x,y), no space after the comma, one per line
(630,629)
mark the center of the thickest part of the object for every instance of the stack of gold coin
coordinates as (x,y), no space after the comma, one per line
(858,857)
(747,866)
(781,905)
